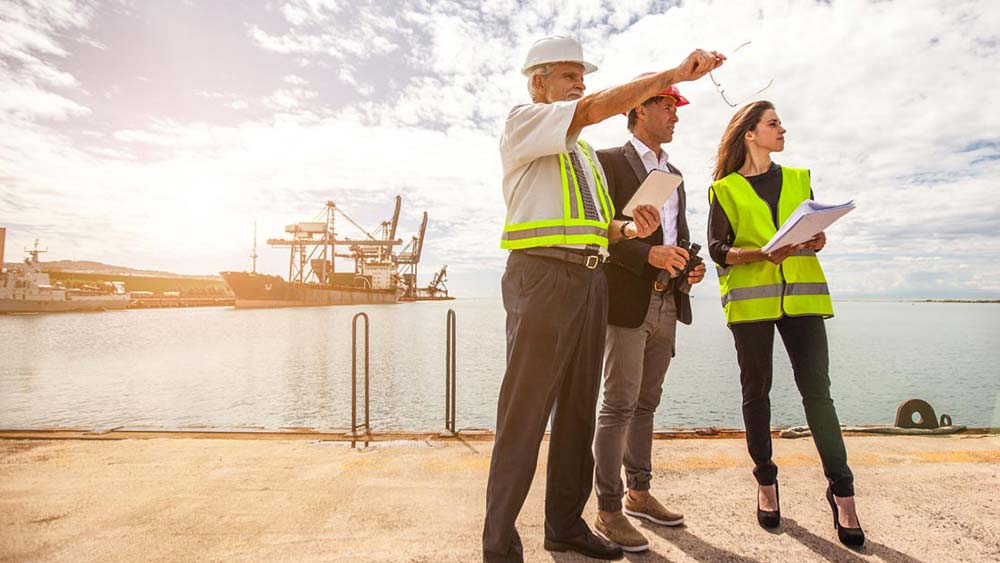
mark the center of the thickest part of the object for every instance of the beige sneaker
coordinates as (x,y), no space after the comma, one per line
(619,531)
(653,511)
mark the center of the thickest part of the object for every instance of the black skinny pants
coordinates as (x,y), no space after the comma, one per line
(805,341)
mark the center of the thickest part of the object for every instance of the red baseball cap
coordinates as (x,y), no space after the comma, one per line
(671,91)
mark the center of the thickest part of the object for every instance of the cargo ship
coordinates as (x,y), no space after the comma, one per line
(255,290)
(27,289)
(379,275)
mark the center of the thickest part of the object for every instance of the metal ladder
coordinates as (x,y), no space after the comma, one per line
(450,380)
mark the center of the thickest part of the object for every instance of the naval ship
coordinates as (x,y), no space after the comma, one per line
(27,289)
(379,275)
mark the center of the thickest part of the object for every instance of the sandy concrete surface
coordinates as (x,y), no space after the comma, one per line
(921,500)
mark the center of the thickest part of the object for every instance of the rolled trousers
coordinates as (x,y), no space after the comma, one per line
(634,369)
(805,341)
(556,321)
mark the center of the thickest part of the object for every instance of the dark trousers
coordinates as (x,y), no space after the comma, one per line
(805,341)
(556,322)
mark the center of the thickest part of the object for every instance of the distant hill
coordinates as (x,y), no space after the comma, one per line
(86,267)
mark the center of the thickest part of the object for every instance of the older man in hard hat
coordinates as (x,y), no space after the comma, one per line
(559,218)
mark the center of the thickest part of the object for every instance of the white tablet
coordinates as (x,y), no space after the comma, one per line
(655,190)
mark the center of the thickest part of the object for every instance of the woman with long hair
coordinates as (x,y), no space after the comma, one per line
(783,289)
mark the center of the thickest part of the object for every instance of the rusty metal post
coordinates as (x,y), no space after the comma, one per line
(354,381)
(450,379)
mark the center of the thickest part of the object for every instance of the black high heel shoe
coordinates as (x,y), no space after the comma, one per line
(768,518)
(854,537)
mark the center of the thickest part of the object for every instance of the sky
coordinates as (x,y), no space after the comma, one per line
(153,134)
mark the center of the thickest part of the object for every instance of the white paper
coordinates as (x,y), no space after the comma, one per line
(655,190)
(808,219)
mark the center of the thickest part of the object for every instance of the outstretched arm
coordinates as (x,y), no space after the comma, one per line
(599,106)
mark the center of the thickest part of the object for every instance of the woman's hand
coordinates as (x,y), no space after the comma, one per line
(647,220)
(817,242)
(778,255)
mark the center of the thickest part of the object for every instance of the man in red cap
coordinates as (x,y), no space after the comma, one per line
(642,320)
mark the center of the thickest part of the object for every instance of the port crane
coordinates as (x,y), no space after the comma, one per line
(409,259)
(437,285)
(313,247)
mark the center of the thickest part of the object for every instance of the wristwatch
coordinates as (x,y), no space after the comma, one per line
(628,230)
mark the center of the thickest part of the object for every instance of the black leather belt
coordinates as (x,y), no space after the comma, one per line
(586,259)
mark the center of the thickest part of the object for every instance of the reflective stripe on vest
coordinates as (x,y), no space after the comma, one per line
(761,290)
(775,290)
(573,227)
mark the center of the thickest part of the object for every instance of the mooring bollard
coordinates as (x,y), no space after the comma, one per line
(449,375)
(915,413)
(354,381)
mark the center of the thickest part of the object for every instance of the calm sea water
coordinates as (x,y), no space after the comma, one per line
(222,367)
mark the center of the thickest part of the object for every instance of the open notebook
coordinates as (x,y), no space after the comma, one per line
(808,219)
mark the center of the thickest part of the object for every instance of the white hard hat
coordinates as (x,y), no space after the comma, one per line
(556,49)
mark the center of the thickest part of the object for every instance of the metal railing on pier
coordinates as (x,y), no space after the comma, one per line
(450,380)
(450,374)
(354,382)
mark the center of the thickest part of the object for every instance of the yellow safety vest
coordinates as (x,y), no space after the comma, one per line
(573,227)
(762,290)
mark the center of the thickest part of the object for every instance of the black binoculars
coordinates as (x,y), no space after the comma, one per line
(679,281)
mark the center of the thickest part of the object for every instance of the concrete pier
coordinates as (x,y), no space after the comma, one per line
(302,498)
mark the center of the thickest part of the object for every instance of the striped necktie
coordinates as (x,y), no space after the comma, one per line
(590,210)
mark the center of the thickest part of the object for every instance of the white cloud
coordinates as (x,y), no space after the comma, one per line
(29,26)
(232,101)
(290,98)
(322,28)
(346,75)
(317,11)
(28,39)
(294,14)
(51,75)
(25,100)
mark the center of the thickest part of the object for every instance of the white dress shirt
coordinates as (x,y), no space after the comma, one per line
(668,213)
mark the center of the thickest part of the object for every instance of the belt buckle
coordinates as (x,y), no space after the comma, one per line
(593,261)
(657,286)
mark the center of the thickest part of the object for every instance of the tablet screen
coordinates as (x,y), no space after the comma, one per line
(655,190)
